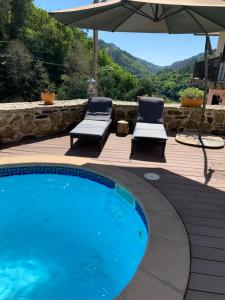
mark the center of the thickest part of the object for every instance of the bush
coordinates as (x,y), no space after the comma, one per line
(192,93)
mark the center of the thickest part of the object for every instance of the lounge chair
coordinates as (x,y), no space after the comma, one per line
(149,124)
(96,122)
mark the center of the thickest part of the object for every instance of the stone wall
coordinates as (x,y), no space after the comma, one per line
(178,118)
(24,120)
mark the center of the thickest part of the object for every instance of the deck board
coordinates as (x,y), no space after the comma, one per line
(193,181)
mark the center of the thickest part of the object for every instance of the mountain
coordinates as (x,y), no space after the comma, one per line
(186,63)
(141,67)
(134,65)
(189,62)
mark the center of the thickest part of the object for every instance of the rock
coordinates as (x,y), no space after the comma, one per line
(219,117)
(132,113)
(209,120)
(119,114)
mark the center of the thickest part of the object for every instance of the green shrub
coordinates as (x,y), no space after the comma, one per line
(191,93)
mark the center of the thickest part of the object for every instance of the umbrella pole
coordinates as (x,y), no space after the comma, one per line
(205,89)
(95,60)
(95,57)
(198,140)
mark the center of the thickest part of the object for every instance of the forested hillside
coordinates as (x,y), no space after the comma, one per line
(134,65)
(186,64)
(141,67)
(36,52)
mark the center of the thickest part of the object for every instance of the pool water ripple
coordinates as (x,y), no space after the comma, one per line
(66,237)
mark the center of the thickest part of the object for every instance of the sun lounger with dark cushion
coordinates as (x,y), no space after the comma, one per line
(96,122)
(149,124)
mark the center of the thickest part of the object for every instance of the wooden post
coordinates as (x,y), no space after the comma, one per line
(95,57)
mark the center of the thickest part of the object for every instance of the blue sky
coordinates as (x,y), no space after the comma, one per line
(160,49)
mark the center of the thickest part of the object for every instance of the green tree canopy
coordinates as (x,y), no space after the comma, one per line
(36,52)
(21,78)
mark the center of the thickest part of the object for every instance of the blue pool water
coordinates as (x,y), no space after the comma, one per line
(66,238)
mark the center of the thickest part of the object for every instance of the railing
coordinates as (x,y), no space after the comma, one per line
(216,71)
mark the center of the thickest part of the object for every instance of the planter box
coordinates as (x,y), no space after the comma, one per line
(191,102)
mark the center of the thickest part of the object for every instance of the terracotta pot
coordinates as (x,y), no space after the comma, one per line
(48,97)
(192,102)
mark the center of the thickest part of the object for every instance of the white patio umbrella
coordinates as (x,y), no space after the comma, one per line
(152,16)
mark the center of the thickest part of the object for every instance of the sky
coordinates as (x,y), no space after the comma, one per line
(159,49)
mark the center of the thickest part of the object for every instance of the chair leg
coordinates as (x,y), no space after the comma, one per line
(101,143)
(132,147)
(163,149)
(103,140)
(71,142)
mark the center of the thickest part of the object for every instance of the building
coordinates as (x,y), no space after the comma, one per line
(216,73)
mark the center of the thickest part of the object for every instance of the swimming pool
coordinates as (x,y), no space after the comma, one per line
(67,233)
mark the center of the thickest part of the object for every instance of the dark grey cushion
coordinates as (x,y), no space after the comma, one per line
(150,110)
(99,109)
(151,131)
(90,128)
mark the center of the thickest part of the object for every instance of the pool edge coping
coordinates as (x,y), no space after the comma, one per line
(164,270)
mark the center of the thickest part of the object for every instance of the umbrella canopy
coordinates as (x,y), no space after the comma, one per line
(155,16)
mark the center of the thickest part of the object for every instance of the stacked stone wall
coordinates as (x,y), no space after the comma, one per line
(177,118)
(24,120)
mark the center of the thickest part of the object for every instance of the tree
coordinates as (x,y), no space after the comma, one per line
(77,70)
(21,77)
(30,35)
(115,82)
(78,60)
(4,19)
(73,87)
(168,83)
(20,10)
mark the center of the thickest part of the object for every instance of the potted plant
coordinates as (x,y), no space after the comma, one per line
(48,96)
(192,97)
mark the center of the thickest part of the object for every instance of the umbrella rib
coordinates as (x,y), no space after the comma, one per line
(196,21)
(202,15)
(172,13)
(152,9)
(127,17)
(164,11)
(155,11)
(167,24)
(140,12)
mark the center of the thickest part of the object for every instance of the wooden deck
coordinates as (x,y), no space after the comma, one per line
(192,179)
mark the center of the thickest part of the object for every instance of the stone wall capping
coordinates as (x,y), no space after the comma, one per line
(124,103)
(38,105)
(24,119)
